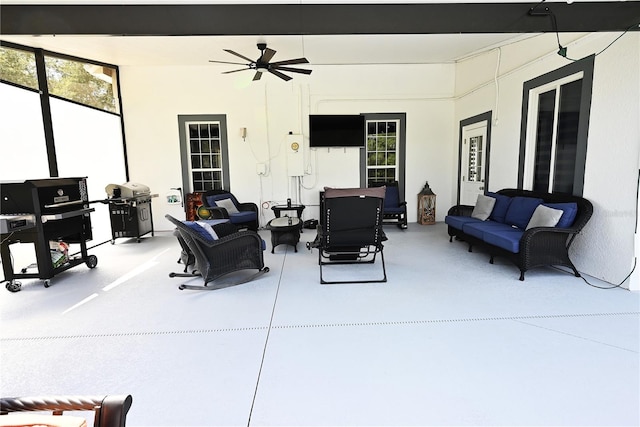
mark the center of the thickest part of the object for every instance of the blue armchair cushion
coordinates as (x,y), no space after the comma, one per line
(520,211)
(193,225)
(211,200)
(500,208)
(392,200)
(239,217)
(242,217)
(570,210)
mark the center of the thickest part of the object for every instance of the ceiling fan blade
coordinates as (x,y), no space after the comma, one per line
(257,76)
(267,55)
(293,70)
(279,74)
(291,61)
(225,62)
(238,55)
(235,71)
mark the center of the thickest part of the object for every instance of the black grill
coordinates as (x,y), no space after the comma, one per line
(61,212)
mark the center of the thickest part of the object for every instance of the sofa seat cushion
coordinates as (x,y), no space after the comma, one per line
(521,210)
(479,229)
(506,239)
(458,221)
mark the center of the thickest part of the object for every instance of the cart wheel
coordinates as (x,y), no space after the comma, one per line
(47,283)
(113,242)
(13,286)
(91,261)
(182,287)
(24,270)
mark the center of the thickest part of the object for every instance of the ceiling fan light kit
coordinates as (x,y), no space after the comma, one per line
(263,64)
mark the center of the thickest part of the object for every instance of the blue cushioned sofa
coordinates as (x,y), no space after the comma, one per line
(504,232)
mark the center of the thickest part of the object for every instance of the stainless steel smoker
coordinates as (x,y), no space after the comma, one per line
(130,210)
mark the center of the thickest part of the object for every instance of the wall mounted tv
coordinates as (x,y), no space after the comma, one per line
(336,130)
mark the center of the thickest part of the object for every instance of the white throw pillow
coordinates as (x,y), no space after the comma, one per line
(544,216)
(208,228)
(228,205)
(484,206)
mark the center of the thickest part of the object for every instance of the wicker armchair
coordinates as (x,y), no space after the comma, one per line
(241,214)
(240,250)
(350,230)
(110,411)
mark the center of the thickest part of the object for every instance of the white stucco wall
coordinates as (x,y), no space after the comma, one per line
(435,99)
(606,247)
(153,97)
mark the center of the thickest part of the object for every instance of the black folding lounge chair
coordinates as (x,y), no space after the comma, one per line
(241,250)
(351,229)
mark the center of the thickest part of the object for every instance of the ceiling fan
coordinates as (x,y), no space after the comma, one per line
(262,64)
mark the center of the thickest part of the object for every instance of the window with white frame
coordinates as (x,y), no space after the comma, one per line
(553,147)
(382,151)
(204,152)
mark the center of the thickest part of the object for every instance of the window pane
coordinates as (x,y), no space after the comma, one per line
(544,136)
(82,82)
(371,128)
(567,139)
(206,147)
(216,161)
(21,127)
(391,159)
(391,128)
(195,162)
(206,162)
(204,131)
(215,147)
(193,131)
(391,144)
(195,146)
(89,143)
(19,67)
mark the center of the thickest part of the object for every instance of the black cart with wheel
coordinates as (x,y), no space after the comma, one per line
(59,212)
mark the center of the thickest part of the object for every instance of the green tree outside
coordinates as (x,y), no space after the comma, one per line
(65,78)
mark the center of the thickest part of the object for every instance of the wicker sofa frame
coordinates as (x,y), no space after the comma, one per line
(110,411)
(241,250)
(539,246)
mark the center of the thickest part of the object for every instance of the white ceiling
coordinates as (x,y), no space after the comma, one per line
(318,49)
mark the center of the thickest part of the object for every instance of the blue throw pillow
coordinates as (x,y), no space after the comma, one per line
(520,211)
(570,211)
(500,208)
(199,230)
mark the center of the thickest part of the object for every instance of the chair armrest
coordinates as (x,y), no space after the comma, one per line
(217,212)
(110,411)
(547,239)
(247,206)
(402,204)
(460,210)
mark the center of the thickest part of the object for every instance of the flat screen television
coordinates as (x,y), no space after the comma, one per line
(336,130)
